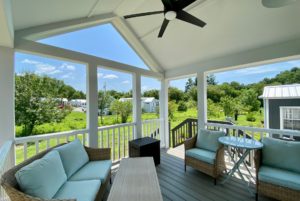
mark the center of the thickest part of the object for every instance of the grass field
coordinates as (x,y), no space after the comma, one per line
(77,120)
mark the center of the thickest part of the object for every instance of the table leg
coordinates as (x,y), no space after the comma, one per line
(246,166)
(236,167)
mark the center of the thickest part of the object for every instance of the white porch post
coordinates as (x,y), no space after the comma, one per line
(202,100)
(137,108)
(7,88)
(163,112)
(92,104)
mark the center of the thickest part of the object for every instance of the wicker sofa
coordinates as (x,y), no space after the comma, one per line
(269,173)
(213,170)
(12,188)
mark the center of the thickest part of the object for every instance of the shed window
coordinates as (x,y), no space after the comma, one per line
(290,118)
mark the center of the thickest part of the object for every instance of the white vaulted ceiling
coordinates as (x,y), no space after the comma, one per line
(233,26)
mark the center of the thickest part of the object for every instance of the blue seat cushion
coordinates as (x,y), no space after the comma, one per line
(43,177)
(281,154)
(73,156)
(209,140)
(93,170)
(279,177)
(81,190)
(202,155)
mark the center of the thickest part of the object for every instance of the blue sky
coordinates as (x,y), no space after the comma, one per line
(104,41)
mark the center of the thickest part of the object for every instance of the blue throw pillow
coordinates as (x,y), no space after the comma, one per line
(73,156)
(43,177)
(281,154)
(209,140)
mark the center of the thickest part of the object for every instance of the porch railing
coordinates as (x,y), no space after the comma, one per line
(115,137)
(5,164)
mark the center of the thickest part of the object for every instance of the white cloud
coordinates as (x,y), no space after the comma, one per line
(21,74)
(144,88)
(256,70)
(125,82)
(27,61)
(99,74)
(295,63)
(110,76)
(54,72)
(65,65)
(41,68)
(69,75)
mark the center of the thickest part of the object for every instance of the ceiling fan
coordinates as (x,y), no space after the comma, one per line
(173,9)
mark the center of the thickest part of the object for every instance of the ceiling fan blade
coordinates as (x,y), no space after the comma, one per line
(167,4)
(143,14)
(163,28)
(184,16)
(184,3)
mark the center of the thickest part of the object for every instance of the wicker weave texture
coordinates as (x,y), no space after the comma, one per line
(272,190)
(209,169)
(12,188)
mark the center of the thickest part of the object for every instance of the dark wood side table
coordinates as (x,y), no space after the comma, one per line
(145,147)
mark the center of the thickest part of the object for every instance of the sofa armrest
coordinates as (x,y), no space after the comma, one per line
(16,195)
(190,143)
(97,154)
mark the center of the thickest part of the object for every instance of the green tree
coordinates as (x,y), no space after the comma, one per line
(126,109)
(76,95)
(175,94)
(188,85)
(182,106)
(36,100)
(193,93)
(104,102)
(249,98)
(227,104)
(116,107)
(172,108)
(152,93)
(215,93)
(211,79)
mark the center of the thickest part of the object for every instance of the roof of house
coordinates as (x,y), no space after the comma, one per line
(145,99)
(281,92)
(149,100)
(79,100)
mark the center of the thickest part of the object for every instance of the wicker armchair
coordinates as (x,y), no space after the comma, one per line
(209,169)
(272,190)
(12,188)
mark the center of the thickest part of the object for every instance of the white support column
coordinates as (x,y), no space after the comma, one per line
(202,100)
(163,112)
(7,87)
(137,108)
(92,104)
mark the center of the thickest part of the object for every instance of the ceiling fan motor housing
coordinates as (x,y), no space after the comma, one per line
(170,15)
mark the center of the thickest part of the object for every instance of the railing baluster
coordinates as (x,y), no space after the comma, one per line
(36,147)
(156,130)
(128,139)
(48,144)
(101,138)
(57,141)
(67,138)
(143,130)
(25,150)
(146,129)
(113,144)
(229,147)
(107,137)
(124,142)
(261,135)
(75,136)
(235,152)
(119,143)
(252,152)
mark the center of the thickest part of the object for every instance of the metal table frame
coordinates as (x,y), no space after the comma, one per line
(243,143)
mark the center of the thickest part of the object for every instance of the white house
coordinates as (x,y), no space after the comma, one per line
(78,102)
(150,103)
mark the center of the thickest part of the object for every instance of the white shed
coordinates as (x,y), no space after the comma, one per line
(150,103)
(78,102)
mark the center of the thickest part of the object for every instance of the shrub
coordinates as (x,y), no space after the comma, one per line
(192,104)
(144,109)
(250,117)
(182,106)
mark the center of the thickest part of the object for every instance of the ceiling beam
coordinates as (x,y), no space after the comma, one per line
(53,29)
(93,9)
(39,49)
(6,24)
(132,39)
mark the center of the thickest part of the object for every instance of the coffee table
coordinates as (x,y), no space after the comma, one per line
(136,179)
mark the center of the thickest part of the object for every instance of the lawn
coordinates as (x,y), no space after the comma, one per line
(77,120)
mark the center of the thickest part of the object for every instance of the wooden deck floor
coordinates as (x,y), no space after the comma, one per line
(176,184)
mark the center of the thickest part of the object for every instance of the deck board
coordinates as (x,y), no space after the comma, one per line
(176,184)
